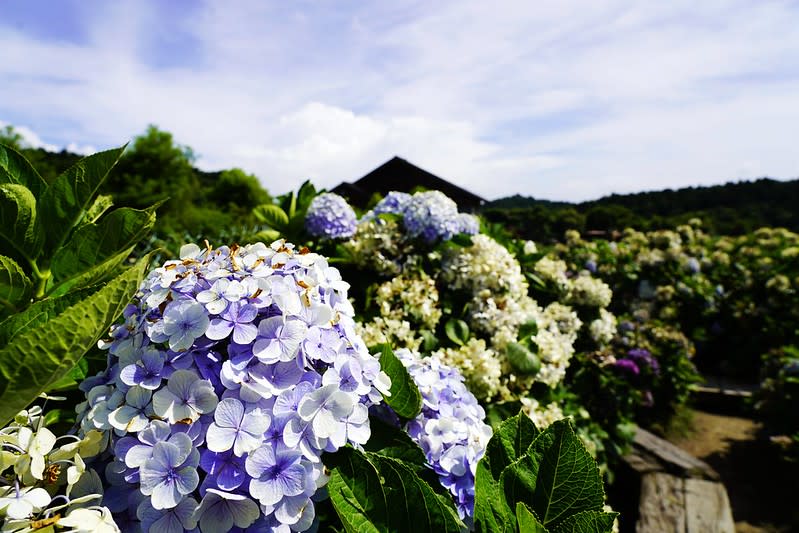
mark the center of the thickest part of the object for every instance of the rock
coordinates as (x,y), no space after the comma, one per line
(677,492)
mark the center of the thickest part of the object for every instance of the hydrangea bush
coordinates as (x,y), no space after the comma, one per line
(450,429)
(234,371)
(236,393)
(330,216)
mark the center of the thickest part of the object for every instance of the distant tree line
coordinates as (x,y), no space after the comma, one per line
(729,209)
(155,168)
(215,204)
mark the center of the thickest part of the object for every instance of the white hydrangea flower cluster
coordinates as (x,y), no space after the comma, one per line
(486,265)
(542,415)
(393,331)
(500,315)
(406,304)
(378,245)
(553,271)
(48,482)
(588,291)
(414,296)
(603,328)
(500,305)
(478,364)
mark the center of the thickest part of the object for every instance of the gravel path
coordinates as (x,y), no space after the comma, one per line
(762,490)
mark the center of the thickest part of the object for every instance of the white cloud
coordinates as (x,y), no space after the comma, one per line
(566,100)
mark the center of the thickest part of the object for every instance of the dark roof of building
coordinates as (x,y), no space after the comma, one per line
(398,174)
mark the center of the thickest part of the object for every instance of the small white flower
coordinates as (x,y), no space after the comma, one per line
(21,504)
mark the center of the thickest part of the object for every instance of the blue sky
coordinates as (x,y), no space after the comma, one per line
(558,100)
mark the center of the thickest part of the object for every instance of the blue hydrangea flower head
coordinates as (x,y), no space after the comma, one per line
(450,429)
(393,203)
(431,215)
(234,370)
(468,224)
(330,216)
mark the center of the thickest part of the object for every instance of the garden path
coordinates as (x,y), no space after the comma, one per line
(761,489)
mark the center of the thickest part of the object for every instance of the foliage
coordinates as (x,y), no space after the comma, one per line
(63,278)
(286,218)
(777,401)
(732,296)
(545,478)
(526,474)
(729,209)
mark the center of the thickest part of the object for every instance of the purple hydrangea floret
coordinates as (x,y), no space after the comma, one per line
(642,355)
(234,370)
(627,365)
(330,216)
(450,429)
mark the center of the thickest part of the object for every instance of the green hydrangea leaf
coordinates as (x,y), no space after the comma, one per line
(518,481)
(528,522)
(510,442)
(415,506)
(101,204)
(405,398)
(305,195)
(39,312)
(457,331)
(521,359)
(65,202)
(593,521)
(272,215)
(20,231)
(393,442)
(568,480)
(14,168)
(355,491)
(36,358)
(15,286)
(462,239)
(96,249)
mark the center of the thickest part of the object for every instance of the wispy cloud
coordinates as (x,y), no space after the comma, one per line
(566,100)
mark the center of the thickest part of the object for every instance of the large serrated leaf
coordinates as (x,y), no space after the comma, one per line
(38,313)
(415,505)
(63,204)
(518,481)
(393,442)
(20,233)
(374,493)
(511,441)
(14,168)
(38,357)
(101,204)
(405,398)
(355,491)
(587,521)
(95,275)
(93,244)
(15,286)
(528,522)
(271,215)
(568,480)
